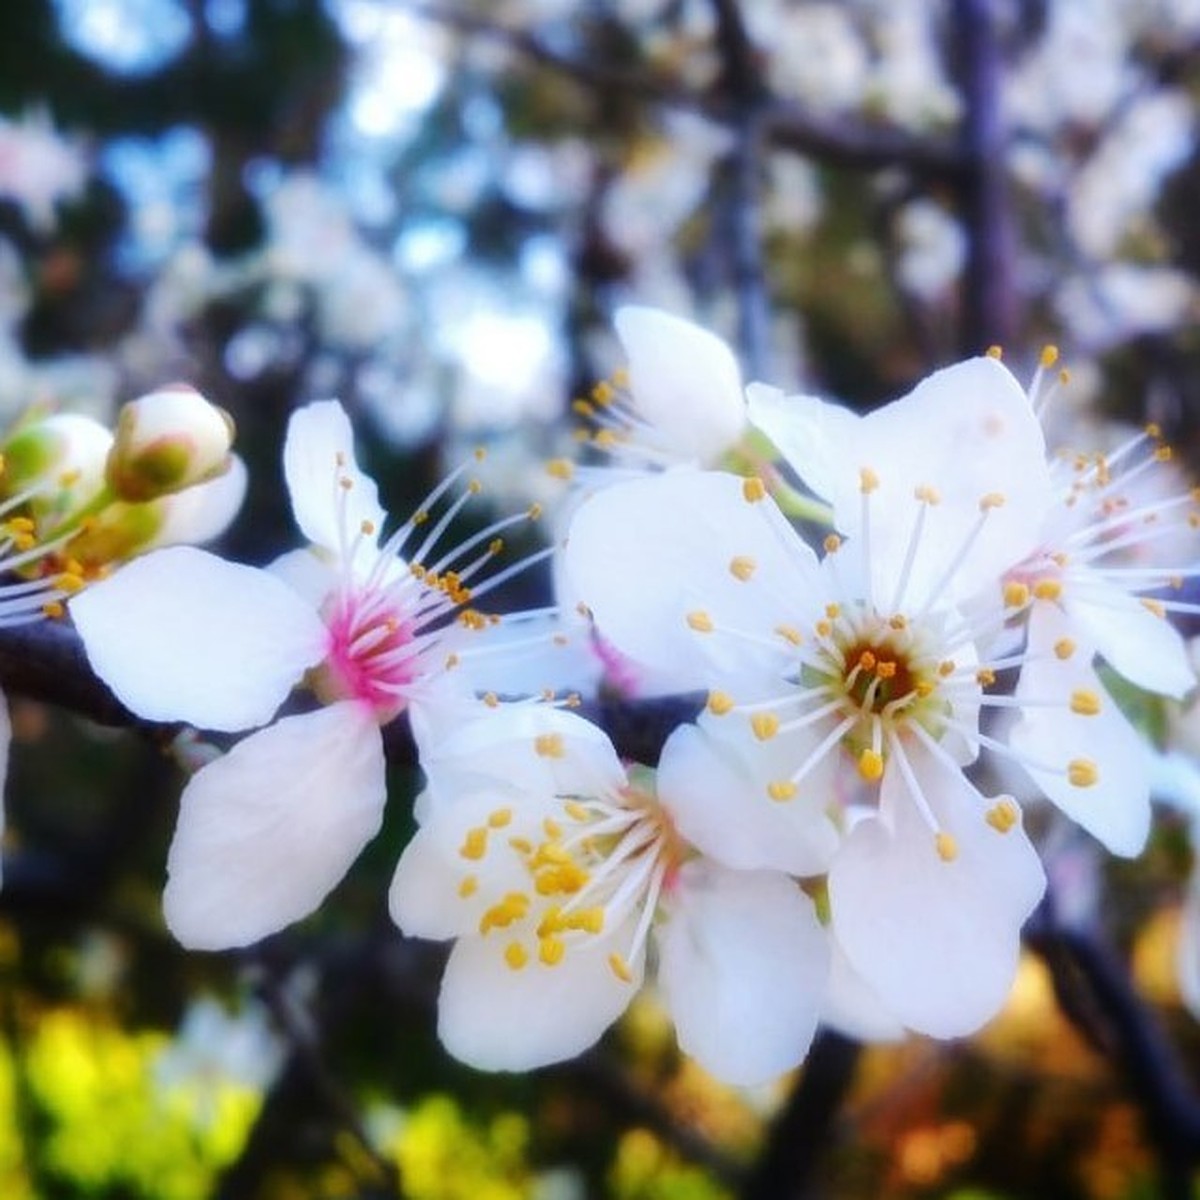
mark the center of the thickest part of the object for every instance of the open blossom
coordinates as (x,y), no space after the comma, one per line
(850,689)
(554,867)
(266,831)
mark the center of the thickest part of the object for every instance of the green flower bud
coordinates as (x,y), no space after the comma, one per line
(166,441)
(57,463)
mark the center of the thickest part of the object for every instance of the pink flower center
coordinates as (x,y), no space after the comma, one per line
(372,651)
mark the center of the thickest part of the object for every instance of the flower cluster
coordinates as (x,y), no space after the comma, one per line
(822,841)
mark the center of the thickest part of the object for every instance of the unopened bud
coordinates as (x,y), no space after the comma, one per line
(56,464)
(166,441)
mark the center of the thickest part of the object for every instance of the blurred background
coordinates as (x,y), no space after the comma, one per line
(431,210)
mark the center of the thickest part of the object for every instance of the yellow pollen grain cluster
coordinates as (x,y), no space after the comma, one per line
(1085,702)
(1049,356)
(1063,649)
(742,567)
(551,950)
(549,745)
(1082,773)
(474,845)
(1003,815)
(700,621)
(1047,589)
(870,766)
(947,847)
(985,677)
(500,818)
(1016,594)
(516,955)
(754,490)
(514,907)
(719,703)
(765,725)
(782,789)
(946,668)
(996,352)
(560,468)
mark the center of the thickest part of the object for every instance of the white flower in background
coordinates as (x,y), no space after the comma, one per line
(1118,301)
(932,249)
(266,831)
(853,685)
(815,52)
(38,168)
(554,867)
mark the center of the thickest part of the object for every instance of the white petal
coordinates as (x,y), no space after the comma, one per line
(424,899)
(853,1007)
(937,940)
(684,381)
(308,573)
(500,1019)
(318,451)
(204,511)
(966,431)
(715,787)
(1116,808)
(266,832)
(181,635)
(1143,647)
(644,554)
(743,963)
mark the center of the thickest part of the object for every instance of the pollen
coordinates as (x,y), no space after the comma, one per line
(700,621)
(868,481)
(516,955)
(474,844)
(990,501)
(927,494)
(500,818)
(620,968)
(1016,594)
(549,745)
(1085,702)
(1047,589)
(1063,649)
(469,886)
(765,725)
(719,703)
(742,567)
(996,352)
(1082,773)
(560,468)
(1049,356)
(754,490)
(782,789)
(551,950)
(790,633)
(832,543)
(947,847)
(870,765)
(1003,815)
(1154,606)
(985,677)
(367,528)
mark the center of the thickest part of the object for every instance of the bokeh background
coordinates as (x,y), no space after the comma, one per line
(430,210)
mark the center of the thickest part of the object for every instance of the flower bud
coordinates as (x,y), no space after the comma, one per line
(166,441)
(57,462)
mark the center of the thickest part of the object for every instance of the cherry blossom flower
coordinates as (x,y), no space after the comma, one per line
(866,660)
(554,867)
(266,831)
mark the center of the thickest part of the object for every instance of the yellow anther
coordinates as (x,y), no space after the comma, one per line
(926,494)
(985,677)
(479,453)
(603,393)
(576,811)
(1085,702)
(491,699)
(898,622)
(1003,815)
(832,543)
(549,745)
(700,621)
(620,968)
(68,582)
(886,669)
(474,487)
(1082,772)
(516,955)
(868,481)
(1047,589)
(754,490)
(606,439)
(452,661)
(782,789)
(534,512)
(1016,594)
(719,703)
(620,378)
(996,352)
(474,844)
(560,468)
(345,484)
(790,633)
(1063,649)
(870,765)
(1163,453)
(1048,356)
(947,847)
(924,687)
(867,660)
(946,668)
(366,528)
(54,610)
(833,611)
(823,628)
(1154,606)
(765,725)
(469,886)
(420,517)
(521,845)
(588,920)
(552,828)
(990,501)
(551,950)
(495,546)
(1064,377)
(742,567)
(500,818)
